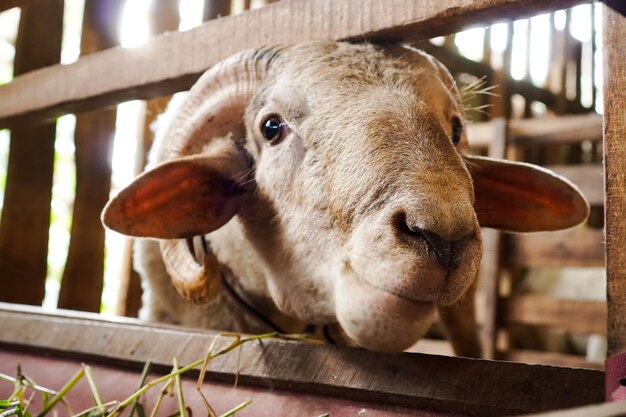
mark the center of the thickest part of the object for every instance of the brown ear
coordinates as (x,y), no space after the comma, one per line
(520,197)
(182,198)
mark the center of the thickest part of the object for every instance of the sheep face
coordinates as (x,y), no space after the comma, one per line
(332,180)
(371,219)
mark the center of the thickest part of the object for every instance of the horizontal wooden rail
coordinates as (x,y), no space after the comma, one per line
(573,247)
(546,130)
(588,177)
(171,62)
(542,310)
(437,383)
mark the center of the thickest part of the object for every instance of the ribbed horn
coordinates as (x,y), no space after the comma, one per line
(214,108)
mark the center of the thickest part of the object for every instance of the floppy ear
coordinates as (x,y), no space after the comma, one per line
(181,198)
(520,197)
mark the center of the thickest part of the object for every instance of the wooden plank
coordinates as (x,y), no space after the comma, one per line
(615,175)
(561,129)
(432,382)
(535,357)
(26,213)
(143,73)
(587,177)
(83,276)
(542,310)
(573,247)
(558,129)
(117,383)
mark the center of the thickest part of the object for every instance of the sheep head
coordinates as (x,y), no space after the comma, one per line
(339,175)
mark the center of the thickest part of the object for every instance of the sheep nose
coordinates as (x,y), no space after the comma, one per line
(449,253)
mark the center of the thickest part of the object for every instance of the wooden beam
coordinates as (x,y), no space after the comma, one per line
(26,213)
(587,177)
(436,383)
(573,247)
(615,183)
(558,129)
(543,310)
(143,72)
(561,129)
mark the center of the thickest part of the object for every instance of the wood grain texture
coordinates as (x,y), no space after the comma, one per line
(26,212)
(437,383)
(144,72)
(543,310)
(615,175)
(83,276)
(573,247)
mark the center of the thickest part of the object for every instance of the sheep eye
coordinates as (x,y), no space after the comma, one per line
(274,130)
(457,130)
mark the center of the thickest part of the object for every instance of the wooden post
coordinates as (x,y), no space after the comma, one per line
(26,213)
(216,8)
(615,176)
(81,286)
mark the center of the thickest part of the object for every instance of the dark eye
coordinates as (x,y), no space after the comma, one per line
(457,130)
(274,130)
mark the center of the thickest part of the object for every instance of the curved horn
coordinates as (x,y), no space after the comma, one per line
(214,108)
(197,283)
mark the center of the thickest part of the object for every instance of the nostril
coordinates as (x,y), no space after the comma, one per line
(448,253)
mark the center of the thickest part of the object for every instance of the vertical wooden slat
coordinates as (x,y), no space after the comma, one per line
(490,263)
(81,286)
(164,17)
(26,213)
(615,176)
(215,8)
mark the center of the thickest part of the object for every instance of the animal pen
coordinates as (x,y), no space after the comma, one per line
(285,377)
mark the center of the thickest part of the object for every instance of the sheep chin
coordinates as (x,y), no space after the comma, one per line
(378,320)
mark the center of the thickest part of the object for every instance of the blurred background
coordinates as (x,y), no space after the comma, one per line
(533,90)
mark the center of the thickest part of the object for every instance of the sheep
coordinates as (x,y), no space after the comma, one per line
(327,184)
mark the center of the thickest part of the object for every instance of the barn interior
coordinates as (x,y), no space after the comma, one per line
(534,89)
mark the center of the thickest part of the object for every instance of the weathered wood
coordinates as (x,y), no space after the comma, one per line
(435,383)
(26,213)
(615,175)
(83,277)
(143,73)
(573,247)
(118,383)
(552,358)
(543,310)
(587,177)
(561,129)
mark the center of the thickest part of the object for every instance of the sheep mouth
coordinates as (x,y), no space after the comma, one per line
(425,298)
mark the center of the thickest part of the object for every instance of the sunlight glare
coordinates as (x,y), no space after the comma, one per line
(135,23)
(470,43)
